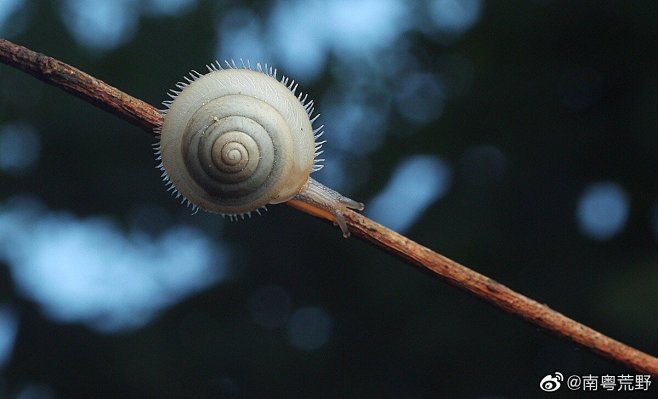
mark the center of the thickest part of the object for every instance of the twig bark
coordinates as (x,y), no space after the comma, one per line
(80,84)
(146,117)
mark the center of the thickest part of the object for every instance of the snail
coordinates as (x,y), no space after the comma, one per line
(237,139)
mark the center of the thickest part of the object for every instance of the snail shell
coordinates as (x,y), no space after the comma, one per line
(235,140)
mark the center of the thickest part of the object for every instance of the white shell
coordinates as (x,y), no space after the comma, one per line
(234,140)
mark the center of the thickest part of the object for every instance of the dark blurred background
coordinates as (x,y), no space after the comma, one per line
(518,138)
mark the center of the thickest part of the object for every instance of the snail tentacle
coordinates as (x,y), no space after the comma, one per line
(324,200)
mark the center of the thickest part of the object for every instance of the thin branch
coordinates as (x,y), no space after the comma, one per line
(146,117)
(80,84)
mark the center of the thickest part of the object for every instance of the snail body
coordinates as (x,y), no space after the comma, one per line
(235,140)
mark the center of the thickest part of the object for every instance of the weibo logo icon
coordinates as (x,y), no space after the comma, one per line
(551,383)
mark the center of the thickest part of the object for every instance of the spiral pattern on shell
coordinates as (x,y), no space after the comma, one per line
(236,139)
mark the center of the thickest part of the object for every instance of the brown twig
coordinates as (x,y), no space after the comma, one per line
(80,84)
(146,117)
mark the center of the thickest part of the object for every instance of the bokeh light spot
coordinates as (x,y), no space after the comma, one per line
(347,32)
(19,147)
(11,20)
(420,98)
(100,24)
(90,271)
(240,36)
(357,29)
(8,330)
(356,127)
(602,210)
(36,390)
(167,7)
(455,16)
(417,182)
(309,328)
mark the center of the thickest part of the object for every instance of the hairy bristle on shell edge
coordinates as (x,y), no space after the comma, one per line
(266,69)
